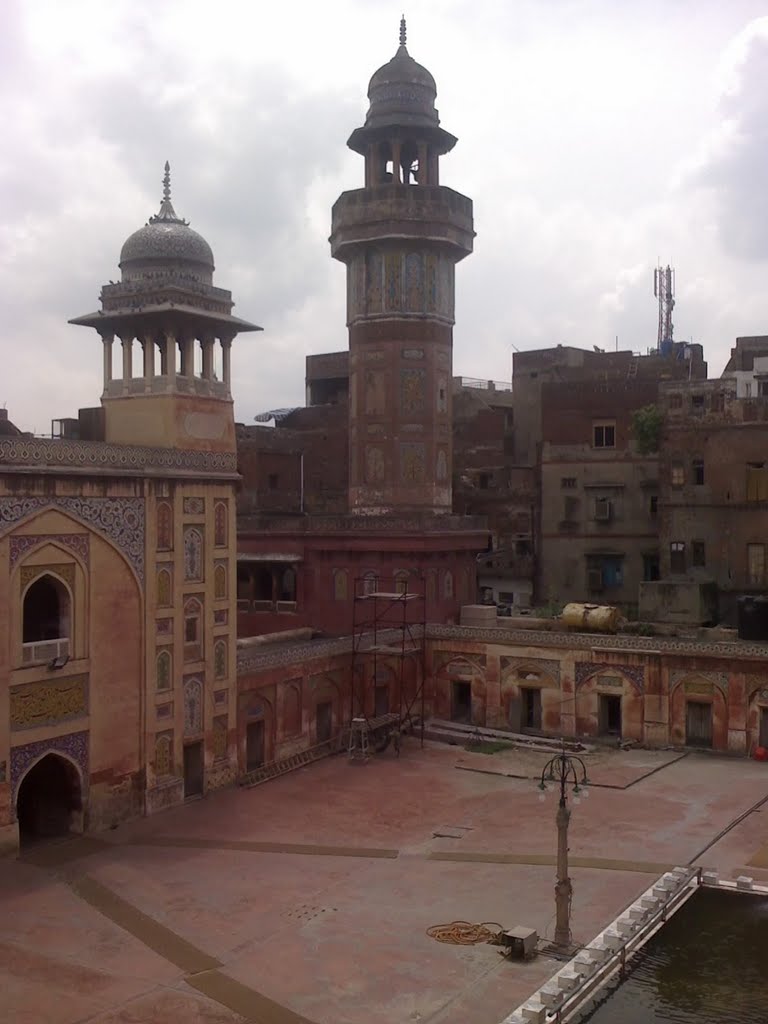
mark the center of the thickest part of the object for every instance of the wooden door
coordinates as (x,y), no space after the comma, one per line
(531,696)
(698,724)
(609,715)
(324,721)
(254,745)
(461,703)
(193,769)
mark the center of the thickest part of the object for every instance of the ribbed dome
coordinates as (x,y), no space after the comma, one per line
(167,238)
(402,92)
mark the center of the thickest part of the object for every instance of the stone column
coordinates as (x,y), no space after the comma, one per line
(226,362)
(127,343)
(187,347)
(107,340)
(396,173)
(207,344)
(148,345)
(423,169)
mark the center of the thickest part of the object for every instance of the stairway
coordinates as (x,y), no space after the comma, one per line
(274,769)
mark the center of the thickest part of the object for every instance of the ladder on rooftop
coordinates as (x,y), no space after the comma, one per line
(274,769)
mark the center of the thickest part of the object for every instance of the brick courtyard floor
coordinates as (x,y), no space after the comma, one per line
(308,898)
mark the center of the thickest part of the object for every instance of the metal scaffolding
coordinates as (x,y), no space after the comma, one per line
(388,628)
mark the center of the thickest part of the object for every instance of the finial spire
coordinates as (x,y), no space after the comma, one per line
(167,183)
(402,31)
(166,212)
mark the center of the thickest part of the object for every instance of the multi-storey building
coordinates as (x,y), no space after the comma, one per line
(117,595)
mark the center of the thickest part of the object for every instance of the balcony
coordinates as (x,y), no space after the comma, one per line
(248,606)
(44,651)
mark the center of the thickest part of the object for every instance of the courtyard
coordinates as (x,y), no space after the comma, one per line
(309,898)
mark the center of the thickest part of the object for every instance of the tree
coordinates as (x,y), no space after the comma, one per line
(646,428)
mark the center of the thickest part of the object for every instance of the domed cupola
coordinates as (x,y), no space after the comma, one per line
(402,92)
(166,243)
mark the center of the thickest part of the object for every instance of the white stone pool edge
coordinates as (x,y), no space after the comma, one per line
(570,992)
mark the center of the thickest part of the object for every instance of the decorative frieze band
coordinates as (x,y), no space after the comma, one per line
(100,455)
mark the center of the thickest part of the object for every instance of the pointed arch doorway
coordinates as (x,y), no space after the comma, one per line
(49,801)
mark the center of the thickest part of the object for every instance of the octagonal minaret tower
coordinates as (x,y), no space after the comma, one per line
(400,237)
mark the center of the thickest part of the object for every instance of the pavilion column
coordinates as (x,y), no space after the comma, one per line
(423,170)
(226,362)
(187,348)
(207,344)
(168,355)
(396,171)
(148,345)
(107,340)
(127,343)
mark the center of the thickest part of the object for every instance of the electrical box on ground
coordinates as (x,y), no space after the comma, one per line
(520,943)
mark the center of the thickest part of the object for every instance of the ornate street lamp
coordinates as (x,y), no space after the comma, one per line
(571,772)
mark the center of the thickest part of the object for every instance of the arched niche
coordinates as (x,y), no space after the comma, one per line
(49,799)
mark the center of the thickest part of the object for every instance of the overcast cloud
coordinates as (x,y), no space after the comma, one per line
(594,139)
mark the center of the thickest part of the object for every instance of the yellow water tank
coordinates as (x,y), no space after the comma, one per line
(594,618)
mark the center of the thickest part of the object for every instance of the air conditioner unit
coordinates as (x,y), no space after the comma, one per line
(595,579)
(603,510)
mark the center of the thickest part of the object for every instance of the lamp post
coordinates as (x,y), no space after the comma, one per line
(571,772)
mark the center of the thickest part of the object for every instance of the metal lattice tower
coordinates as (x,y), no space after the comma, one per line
(664,290)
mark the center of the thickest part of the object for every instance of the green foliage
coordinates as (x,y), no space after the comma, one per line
(487,746)
(646,429)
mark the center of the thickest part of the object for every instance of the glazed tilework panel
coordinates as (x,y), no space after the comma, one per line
(77,542)
(708,678)
(32,572)
(412,462)
(74,745)
(517,667)
(119,519)
(41,704)
(634,673)
(412,391)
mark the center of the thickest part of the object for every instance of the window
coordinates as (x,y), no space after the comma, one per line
(677,556)
(568,483)
(47,625)
(756,564)
(748,389)
(757,481)
(603,510)
(698,553)
(164,527)
(448,585)
(651,567)
(717,402)
(605,572)
(220,524)
(677,474)
(570,509)
(762,388)
(164,588)
(272,481)
(220,582)
(340,584)
(698,472)
(401,582)
(653,506)
(193,630)
(163,670)
(697,403)
(483,481)
(370,583)
(603,435)
(220,659)
(676,401)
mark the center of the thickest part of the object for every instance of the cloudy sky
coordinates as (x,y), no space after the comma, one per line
(595,138)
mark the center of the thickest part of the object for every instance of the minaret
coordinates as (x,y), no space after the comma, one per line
(167,303)
(400,237)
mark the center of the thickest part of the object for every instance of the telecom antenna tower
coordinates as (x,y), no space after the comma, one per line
(664,290)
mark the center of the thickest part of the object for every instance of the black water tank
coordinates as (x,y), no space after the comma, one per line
(752,618)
